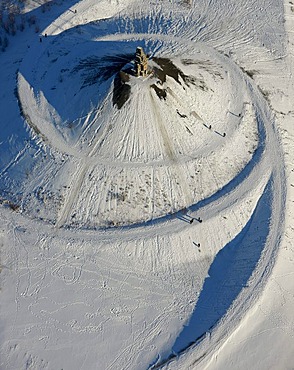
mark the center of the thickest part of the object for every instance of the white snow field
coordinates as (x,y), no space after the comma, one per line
(147,222)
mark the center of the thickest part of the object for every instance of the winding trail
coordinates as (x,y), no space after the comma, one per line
(122,295)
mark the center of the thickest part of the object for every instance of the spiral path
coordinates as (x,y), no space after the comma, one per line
(145,214)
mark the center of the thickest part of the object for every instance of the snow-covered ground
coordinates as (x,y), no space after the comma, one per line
(148,224)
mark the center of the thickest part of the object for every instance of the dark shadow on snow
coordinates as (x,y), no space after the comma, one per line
(96,69)
(55,9)
(167,68)
(121,91)
(228,275)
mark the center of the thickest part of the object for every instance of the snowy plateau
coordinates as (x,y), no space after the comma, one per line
(146,221)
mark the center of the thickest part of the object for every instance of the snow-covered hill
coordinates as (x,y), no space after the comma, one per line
(145,219)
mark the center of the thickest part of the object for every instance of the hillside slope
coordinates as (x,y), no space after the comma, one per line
(146,220)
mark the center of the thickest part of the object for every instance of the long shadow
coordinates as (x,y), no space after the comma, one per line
(228,274)
(55,10)
(9,130)
(77,72)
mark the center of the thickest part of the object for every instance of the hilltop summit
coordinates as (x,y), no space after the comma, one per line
(154,142)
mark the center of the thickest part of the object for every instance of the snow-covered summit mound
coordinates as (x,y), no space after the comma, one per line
(137,148)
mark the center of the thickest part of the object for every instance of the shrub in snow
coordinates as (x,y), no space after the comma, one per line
(4,43)
(32,20)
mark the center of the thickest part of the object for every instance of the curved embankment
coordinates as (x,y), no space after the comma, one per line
(240,270)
